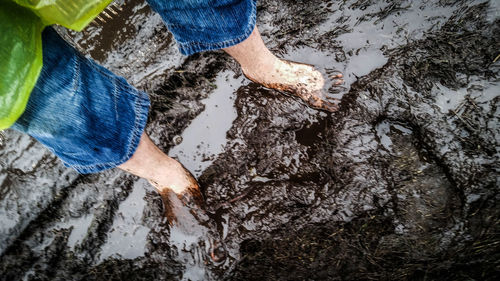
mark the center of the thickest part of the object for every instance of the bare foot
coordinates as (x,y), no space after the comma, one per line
(179,190)
(302,80)
(299,79)
(179,181)
(184,212)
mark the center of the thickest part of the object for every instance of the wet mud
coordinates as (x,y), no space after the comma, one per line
(401,183)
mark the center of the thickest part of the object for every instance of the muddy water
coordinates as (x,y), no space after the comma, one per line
(400,183)
(205,137)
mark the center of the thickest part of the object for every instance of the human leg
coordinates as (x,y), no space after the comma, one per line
(87,116)
(94,120)
(166,174)
(151,163)
(201,25)
(177,188)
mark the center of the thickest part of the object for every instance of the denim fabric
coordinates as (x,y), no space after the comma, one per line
(89,117)
(202,25)
(92,119)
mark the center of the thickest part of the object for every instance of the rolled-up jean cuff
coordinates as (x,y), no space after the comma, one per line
(89,117)
(141,117)
(195,47)
(190,48)
(204,26)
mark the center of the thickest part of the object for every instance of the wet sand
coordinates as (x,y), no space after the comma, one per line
(401,183)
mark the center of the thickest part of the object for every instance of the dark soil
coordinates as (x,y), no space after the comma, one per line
(399,184)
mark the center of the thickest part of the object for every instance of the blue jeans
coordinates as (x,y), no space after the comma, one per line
(91,118)
(202,25)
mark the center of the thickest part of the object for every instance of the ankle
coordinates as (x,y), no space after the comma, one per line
(173,177)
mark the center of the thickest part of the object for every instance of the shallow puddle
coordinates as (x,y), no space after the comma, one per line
(205,137)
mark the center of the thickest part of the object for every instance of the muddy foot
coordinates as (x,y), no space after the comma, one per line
(301,80)
(192,230)
(193,199)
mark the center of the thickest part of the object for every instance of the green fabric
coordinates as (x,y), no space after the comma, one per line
(21,26)
(20,57)
(73,14)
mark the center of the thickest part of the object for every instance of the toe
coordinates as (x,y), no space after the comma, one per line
(218,254)
(337,77)
(333,72)
(332,99)
(322,103)
(337,88)
(329,106)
